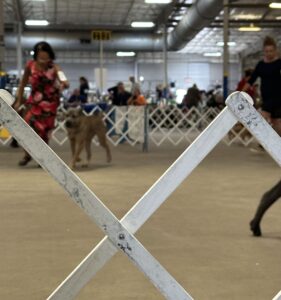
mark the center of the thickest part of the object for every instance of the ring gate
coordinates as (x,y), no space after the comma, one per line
(120,234)
(147,125)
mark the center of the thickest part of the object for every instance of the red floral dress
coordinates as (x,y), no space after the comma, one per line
(44,99)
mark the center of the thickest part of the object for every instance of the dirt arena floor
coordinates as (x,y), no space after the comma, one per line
(200,234)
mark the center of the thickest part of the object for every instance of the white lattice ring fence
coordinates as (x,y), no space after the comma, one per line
(147,125)
(120,234)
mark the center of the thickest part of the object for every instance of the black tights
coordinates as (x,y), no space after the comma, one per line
(266,201)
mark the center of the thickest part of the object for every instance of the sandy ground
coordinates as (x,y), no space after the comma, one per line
(200,234)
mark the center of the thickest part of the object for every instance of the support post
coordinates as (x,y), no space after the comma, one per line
(165,57)
(2,48)
(101,67)
(146,131)
(225,48)
(19,49)
(136,69)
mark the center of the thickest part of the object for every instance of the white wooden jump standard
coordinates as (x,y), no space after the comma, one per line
(241,105)
(148,204)
(237,102)
(89,202)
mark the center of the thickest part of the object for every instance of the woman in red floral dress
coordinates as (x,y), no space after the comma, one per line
(46,82)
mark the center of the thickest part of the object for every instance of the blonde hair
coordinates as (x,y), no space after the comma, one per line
(269,41)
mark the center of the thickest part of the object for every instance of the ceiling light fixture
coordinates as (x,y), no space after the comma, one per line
(276,5)
(212,54)
(230,44)
(36,23)
(158,1)
(252,27)
(142,24)
(125,54)
(246,17)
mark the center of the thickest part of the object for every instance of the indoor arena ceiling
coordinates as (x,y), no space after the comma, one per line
(86,15)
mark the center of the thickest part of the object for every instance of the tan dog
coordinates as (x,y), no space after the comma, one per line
(81,129)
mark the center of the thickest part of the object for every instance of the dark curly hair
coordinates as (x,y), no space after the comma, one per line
(43,46)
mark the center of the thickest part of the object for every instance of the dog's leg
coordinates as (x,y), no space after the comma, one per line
(103,142)
(88,144)
(78,149)
(72,146)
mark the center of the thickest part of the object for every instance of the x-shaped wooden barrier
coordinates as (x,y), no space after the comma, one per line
(120,233)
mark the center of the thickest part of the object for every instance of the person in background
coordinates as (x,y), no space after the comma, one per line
(269,70)
(241,84)
(47,81)
(83,89)
(247,75)
(159,92)
(137,98)
(253,90)
(74,99)
(119,95)
(192,97)
(203,100)
(134,84)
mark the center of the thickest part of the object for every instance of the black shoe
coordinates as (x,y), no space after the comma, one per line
(255,228)
(23,162)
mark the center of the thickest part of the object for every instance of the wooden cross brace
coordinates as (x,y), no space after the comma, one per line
(119,234)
